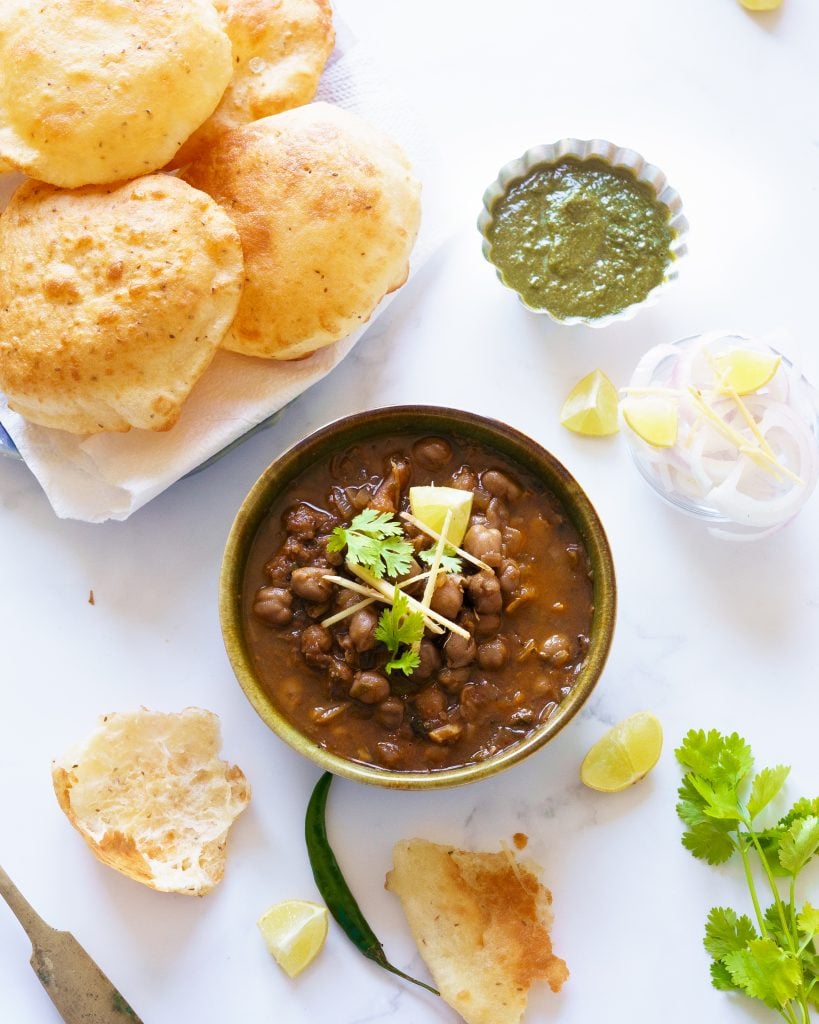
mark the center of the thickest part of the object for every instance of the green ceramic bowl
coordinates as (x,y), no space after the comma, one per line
(415,421)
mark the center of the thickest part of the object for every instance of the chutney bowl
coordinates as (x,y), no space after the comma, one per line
(414,421)
(617,157)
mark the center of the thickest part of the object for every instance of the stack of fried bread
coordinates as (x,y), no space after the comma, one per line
(481,922)
(184,194)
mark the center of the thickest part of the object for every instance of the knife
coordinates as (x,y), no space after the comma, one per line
(75,984)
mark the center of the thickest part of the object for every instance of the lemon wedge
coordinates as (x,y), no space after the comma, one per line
(431,504)
(294,932)
(745,370)
(652,418)
(761,5)
(591,407)
(624,755)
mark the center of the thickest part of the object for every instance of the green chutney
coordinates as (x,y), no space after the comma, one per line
(581,238)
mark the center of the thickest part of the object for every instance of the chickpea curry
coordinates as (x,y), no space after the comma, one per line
(386,642)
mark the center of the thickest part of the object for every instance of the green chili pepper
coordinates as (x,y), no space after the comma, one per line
(334,890)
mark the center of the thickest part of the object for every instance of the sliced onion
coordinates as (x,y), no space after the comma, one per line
(757,512)
(706,473)
(648,372)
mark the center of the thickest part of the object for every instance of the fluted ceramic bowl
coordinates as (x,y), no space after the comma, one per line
(615,156)
(415,421)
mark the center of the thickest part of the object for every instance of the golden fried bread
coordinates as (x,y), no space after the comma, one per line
(280,48)
(113,300)
(95,91)
(481,922)
(327,209)
(151,797)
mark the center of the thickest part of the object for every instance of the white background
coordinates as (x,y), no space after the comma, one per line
(709,633)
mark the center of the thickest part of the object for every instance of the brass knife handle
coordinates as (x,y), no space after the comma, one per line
(34,926)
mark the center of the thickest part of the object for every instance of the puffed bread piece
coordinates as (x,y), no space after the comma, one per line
(481,922)
(113,301)
(149,794)
(327,209)
(280,48)
(95,91)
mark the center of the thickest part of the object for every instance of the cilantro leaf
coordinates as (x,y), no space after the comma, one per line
(398,627)
(710,842)
(375,540)
(449,563)
(381,524)
(396,555)
(765,786)
(699,751)
(799,844)
(721,979)
(771,838)
(725,932)
(719,759)
(707,838)
(691,804)
(803,808)
(407,663)
(764,971)
(719,800)
(807,920)
(773,923)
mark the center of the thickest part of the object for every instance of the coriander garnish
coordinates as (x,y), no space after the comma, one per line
(375,540)
(774,959)
(449,563)
(399,627)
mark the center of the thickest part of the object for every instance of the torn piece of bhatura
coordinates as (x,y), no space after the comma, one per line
(481,922)
(153,799)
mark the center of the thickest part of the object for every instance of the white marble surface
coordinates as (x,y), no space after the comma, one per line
(709,633)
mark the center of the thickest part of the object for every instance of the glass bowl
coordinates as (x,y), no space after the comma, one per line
(677,475)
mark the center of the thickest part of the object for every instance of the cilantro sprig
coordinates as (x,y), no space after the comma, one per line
(399,627)
(772,958)
(375,540)
(449,563)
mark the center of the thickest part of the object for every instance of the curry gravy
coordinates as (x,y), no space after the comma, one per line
(528,617)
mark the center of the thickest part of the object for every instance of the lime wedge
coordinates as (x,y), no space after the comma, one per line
(652,418)
(624,755)
(761,5)
(294,932)
(745,370)
(431,504)
(591,407)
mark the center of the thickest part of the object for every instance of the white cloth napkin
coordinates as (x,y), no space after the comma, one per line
(109,476)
